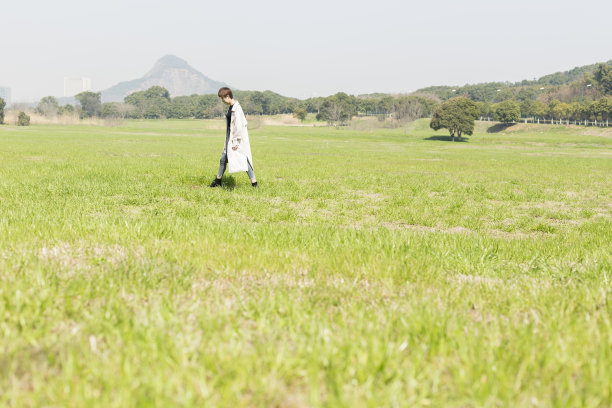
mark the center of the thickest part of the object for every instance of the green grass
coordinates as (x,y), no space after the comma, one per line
(378,267)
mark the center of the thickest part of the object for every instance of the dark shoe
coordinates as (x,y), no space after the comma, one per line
(216,183)
(254,185)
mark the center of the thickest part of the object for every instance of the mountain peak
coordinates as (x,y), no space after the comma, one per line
(168,62)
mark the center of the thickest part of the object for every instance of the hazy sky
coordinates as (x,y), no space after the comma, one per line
(303,48)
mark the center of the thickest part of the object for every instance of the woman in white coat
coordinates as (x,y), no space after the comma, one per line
(238,156)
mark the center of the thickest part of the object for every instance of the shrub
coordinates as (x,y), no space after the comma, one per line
(23,119)
(299,113)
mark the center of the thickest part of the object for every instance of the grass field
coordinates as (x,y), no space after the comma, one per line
(375,267)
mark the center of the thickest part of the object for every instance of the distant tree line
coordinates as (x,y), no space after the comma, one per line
(584,93)
(156,103)
(512,111)
(89,106)
(340,108)
(550,97)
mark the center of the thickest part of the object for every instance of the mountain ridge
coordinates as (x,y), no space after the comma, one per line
(559,79)
(170,72)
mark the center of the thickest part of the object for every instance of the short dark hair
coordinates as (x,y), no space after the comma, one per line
(225,91)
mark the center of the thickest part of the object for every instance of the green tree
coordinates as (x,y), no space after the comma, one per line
(65,110)
(603,77)
(300,113)
(368,105)
(23,119)
(385,105)
(152,103)
(528,93)
(508,111)
(607,103)
(563,110)
(47,106)
(484,109)
(457,115)
(209,106)
(409,108)
(601,110)
(183,107)
(559,110)
(2,105)
(255,103)
(313,105)
(338,109)
(157,102)
(582,111)
(528,108)
(552,108)
(91,103)
(540,109)
(575,110)
(112,110)
(157,92)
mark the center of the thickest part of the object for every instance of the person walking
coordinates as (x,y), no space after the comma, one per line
(236,154)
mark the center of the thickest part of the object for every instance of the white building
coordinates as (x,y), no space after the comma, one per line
(5,94)
(73,86)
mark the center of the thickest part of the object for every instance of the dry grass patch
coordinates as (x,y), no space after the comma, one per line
(517,234)
(475,280)
(303,209)
(368,195)
(276,120)
(597,131)
(86,256)
(496,233)
(396,225)
(546,205)
(176,200)
(131,210)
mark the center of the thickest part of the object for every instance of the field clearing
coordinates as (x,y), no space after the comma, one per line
(375,267)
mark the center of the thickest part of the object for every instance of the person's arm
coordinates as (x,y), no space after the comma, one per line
(238,124)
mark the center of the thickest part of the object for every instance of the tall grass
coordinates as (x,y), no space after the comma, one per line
(381,267)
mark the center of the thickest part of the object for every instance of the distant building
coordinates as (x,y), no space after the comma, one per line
(73,86)
(5,93)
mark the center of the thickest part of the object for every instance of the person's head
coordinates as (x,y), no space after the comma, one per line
(226,95)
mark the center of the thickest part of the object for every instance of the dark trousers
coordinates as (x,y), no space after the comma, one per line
(223,166)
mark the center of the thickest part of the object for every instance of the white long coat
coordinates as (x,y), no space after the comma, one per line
(239,136)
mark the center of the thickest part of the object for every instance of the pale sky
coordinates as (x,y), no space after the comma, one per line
(303,48)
